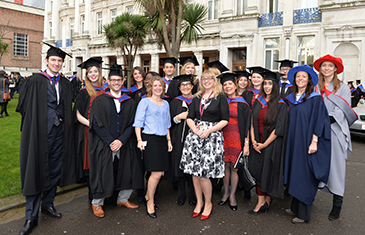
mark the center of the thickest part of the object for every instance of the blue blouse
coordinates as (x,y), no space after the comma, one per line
(153,118)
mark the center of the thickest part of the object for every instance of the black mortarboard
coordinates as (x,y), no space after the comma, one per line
(358,81)
(273,76)
(350,82)
(185,78)
(217,64)
(257,69)
(55,51)
(186,59)
(242,73)
(116,70)
(171,60)
(90,63)
(286,63)
(227,77)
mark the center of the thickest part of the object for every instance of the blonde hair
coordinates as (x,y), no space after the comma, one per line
(89,87)
(183,68)
(217,87)
(150,84)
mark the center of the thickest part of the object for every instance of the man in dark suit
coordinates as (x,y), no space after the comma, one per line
(46,147)
(285,87)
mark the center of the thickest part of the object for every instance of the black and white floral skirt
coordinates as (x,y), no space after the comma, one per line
(203,157)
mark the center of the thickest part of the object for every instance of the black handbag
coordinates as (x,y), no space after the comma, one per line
(246,180)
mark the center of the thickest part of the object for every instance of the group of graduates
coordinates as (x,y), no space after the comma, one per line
(293,127)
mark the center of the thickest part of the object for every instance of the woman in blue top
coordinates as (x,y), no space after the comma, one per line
(153,115)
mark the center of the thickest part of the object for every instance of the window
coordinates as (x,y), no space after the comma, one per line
(271,53)
(241,7)
(20,44)
(239,59)
(51,5)
(130,9)
(114,15)
(306,47)
(100,23)
(212,9)
(309,3)
(50,29)
(273,6)
(82,18)
(72,27)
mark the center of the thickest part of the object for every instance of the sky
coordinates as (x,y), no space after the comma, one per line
(34,3)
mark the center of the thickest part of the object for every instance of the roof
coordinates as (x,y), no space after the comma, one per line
(22,8)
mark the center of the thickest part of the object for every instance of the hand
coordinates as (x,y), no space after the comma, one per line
(246,150)
(258,147)
(140,145)
(183,115)
(312,148)
(204,134)
(169,146)
(116,145)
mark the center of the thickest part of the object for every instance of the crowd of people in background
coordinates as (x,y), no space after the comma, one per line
(192,129)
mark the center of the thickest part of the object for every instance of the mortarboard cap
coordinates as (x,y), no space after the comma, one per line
(90,63)
(243,73)
(171,60)
(224,77)
(257,69)
(273,76)
(286,63)
(185,78)
(116,70)
(350,82)
(186,59)
(55,51)
(217,64)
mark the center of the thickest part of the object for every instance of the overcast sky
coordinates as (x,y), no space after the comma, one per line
(34,3)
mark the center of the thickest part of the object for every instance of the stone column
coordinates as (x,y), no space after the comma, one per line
(199,57)
(87,17)
(77,18)
(155,62)
(55,20)
(105,60)
(46,23)
(137,61)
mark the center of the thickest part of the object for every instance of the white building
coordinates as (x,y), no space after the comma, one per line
(237,32)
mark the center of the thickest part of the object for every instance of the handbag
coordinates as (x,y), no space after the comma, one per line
(245,178)
(6,96)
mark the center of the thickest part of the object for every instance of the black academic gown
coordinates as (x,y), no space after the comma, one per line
(248,96)
(287,90)
(267,168)
(173,89)
(356,97)
(34,163)
(130,176)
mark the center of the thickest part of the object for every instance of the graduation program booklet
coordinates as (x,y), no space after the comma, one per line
(239,162)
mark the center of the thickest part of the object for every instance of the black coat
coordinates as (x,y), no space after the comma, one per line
(267,168)
(34,167)
(130,175)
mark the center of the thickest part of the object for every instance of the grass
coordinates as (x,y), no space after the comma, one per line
(9,151)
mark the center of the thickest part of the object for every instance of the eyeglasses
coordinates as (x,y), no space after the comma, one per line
(284,70)
(185,84)
(116,80)
(207,79)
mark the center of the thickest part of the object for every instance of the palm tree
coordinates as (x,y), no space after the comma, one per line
(128,33)
(174,22)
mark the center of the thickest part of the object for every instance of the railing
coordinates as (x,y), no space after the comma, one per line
(308,15)
(69,43)
(58,43)
(271,19)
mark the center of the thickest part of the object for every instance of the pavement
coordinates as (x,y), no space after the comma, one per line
(173,219)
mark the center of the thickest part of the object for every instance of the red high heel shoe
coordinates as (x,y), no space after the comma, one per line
(195,214)
(204,217)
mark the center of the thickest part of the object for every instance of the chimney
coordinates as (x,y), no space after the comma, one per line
(18,1)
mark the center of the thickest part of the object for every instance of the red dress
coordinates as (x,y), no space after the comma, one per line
(261,117)
(231,135)
(86,139)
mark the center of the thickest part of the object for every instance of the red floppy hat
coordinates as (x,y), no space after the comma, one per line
(336,60)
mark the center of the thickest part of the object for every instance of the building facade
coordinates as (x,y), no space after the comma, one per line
(239,33)
(23,27)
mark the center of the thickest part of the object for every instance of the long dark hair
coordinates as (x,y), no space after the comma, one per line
(272,105)
(140,69)
(308,90)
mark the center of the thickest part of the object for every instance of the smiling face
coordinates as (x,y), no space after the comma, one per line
(115,83)
(328,69)
(256,80)
(147,79)
(301,79)
(54,64)
(93,75)
(207,82)
(157,88)
(268,85)
(137,76)
(186,88)
(229,88)
(189,68)
(242,82)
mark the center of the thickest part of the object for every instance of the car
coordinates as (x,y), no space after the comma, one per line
(358,127)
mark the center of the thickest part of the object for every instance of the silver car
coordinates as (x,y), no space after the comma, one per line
(358,127)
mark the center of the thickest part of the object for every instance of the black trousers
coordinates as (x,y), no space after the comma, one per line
(55,150)
(302,210)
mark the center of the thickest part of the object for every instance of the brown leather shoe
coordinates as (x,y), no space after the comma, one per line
(98,211)
(128,204)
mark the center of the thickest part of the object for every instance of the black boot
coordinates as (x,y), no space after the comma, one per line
(2,110)
(336,208)
(6,109)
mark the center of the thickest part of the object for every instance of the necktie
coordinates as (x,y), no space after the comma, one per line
(283,89)
(54,86)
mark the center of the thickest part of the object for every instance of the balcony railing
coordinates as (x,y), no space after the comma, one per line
(271,19)
(59,43)
(308,15)
(69,43)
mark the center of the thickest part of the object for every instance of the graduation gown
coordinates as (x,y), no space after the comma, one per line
(267,168)
(303,171)
(178,132)
(356,97)
(130,176)
(34,163)
(287,89)
(135,92)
